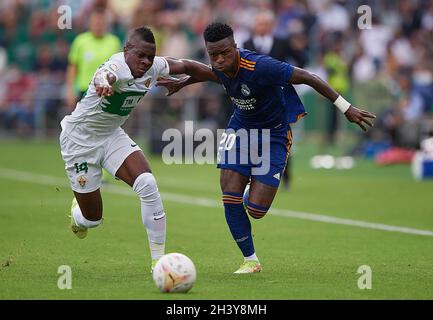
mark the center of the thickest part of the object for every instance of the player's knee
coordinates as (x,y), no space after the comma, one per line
(145,186)
(256,211)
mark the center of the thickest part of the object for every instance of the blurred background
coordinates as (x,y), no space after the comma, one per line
(386,69)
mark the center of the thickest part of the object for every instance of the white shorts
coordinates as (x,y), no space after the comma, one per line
(84,164)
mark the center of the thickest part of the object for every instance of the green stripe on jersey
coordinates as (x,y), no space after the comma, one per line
(122,103)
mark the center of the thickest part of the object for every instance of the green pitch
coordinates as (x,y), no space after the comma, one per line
(302,258)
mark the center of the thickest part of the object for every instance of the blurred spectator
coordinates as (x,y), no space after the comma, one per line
(333,17)
(264,42)
(375,41)
(363,67)
(338,78)
(397,53)
(88,51)
(18,95)
(175,42)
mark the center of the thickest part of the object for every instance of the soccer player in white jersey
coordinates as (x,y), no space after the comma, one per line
(92,139)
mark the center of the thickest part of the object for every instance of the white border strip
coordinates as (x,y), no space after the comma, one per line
(29,177)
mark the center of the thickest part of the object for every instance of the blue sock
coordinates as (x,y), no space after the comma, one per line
(238,222)
(255,211)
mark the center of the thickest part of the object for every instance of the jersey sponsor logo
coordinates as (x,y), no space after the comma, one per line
(121,103)
(82,180)
(244,104)
(245,90)
(277,176)
(133,145)
(130,82)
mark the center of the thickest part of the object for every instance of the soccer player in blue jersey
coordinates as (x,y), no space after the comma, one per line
(263,98)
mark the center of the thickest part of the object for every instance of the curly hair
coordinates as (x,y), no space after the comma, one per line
(217,31)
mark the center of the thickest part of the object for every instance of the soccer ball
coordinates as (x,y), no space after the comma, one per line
(174,272)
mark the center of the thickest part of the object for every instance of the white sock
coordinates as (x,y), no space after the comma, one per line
(156,250)
(81,221)
(152,213)
(252,257)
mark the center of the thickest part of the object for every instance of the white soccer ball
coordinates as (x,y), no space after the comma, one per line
(174,272)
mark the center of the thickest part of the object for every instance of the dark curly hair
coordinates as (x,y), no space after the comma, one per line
(217,31)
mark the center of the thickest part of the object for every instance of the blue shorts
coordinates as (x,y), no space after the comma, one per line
(259,154)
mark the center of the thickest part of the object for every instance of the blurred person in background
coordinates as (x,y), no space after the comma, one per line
(338,78)
(262,39)
(88,51)
(285,49)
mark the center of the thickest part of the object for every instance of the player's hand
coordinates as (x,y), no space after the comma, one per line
(361,117)
(104,90)
(173,85)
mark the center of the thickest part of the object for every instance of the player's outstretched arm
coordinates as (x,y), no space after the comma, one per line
(103,82)
(361,117)
(197,71)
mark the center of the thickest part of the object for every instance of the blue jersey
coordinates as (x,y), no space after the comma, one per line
(261,94)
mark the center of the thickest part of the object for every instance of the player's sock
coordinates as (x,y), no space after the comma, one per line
(256,211)
(81,221)
(238,222)
(252,257)
(152,213)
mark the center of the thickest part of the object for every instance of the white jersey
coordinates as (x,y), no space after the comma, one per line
(96,118)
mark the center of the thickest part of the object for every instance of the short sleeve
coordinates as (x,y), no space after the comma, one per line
(161,67)
(270,71)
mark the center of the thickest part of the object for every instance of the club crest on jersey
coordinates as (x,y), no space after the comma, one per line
(82,180)
(245,90)
(147,82)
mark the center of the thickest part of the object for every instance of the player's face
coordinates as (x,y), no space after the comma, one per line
(223,55)
(139,57)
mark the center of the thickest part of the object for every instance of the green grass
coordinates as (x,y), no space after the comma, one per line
(301,259)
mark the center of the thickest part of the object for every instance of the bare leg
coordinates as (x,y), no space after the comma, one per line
(260,199)
(232,181)
(90,204)
(262,194)
(133,166)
